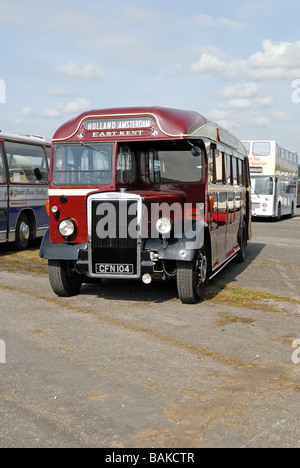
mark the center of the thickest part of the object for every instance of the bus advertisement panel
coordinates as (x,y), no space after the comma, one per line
(23,187)
(145,193)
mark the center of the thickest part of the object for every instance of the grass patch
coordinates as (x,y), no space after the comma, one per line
(27,260)
(247,298)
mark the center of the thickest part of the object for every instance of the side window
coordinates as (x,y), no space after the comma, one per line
(48,154)
(154,167)
(219,157)
(228,169)
(241,172)
(126,166)
(26,163)
(235,170)
(2,167)
(212,166)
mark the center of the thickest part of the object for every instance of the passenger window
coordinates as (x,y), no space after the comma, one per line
(2,168)
(27,163)
(241,173)
(219,167)
(235,170)
(212,166)
(228,170)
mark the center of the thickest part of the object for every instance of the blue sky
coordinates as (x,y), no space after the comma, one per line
(237,63)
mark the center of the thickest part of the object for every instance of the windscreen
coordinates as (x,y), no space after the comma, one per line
(83,164)
(159,163)
(262,185)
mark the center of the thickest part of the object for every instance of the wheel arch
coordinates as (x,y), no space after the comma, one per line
(31,220)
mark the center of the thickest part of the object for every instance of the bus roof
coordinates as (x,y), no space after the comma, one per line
(25,138)
(151,122)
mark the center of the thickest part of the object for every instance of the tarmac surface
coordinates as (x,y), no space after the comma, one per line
(125,365)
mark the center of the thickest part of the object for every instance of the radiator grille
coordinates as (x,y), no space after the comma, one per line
(111,219)
(114,242)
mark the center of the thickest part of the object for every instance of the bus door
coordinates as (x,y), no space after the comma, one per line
(233,204)
(3,198)
(276,195)
(222,206)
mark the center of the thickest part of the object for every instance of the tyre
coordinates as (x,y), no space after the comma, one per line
(22,232)
(279,215)
(241,256)
(192,278)
(64,281)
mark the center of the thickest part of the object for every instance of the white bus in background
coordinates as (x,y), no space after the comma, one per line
(24,171)
(274,179)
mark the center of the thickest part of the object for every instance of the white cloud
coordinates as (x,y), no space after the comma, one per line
(76,106)
(238,103)
(89,72)
(207,21)
(281,116)
(230,24)
(235,121)
(178,70)
(73,107)
(12,13)
(209,63)
(246,95)
(139,14)
(275,61)
(263,101)
(27,112)
(245,90)
(58,92)
(50,113)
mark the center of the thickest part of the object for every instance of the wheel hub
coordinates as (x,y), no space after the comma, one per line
(202,269)
(24,231)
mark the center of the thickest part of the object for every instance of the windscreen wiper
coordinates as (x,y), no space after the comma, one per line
(94,149)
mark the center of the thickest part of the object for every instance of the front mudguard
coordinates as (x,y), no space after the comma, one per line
(180,248)
(52,251)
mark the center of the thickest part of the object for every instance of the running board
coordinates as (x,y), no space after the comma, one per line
(220,268)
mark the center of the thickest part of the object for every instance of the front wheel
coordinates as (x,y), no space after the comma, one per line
(64,281)
(192,278)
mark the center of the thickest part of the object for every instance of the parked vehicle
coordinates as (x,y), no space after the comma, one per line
(145,193)
(23,187)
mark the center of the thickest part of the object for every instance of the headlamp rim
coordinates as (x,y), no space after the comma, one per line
(64,235)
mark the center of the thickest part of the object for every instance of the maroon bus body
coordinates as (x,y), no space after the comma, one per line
(201,202)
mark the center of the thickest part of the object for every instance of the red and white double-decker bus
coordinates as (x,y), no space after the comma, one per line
(145,193)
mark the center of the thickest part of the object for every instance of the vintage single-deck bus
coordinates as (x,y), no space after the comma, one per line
(274,179)
(23,187)
(145,193)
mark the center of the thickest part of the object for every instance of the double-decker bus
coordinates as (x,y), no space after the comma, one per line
(274,179)
(298,196)
(23,187)
(145,193)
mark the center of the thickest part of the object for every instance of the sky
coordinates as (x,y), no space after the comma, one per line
(236,63)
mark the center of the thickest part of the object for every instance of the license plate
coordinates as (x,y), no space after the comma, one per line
(114,269)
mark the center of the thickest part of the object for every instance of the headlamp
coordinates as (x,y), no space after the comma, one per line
(67,228)
(164,226)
